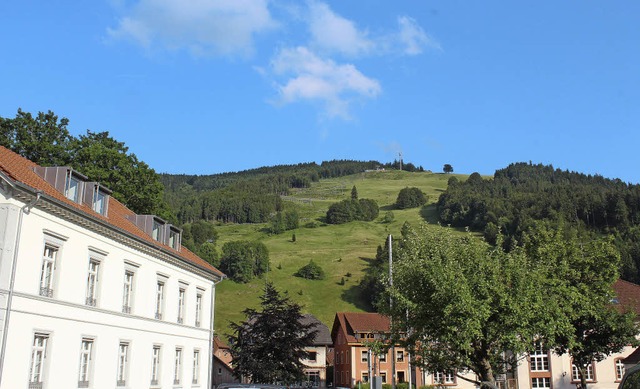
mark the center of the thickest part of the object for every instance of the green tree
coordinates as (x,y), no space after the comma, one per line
(244,260)
(467,302)
(108,161)
(591,327)
(354,193)
(42,139)
(203,232)
(291,220)
(410,198)
(447,168)
(311,271)
(269,345)
(209,253)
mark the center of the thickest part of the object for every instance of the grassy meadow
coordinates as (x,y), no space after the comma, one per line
(343,251)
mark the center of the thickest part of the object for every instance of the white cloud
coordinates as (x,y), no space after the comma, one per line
(204,27)
(413,38)
(332,32)
(311,78)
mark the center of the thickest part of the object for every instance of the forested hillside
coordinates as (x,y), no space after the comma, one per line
(523,193)
(251,196)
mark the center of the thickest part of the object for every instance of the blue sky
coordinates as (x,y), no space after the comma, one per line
(207,86)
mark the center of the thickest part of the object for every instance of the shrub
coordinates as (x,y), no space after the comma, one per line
(311,271)
(388,217)
(410,198)
(350,210)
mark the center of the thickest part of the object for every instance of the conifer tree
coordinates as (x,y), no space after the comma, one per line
(269,345)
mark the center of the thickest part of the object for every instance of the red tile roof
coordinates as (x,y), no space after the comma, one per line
(627,295)
(352,322)
(21,170)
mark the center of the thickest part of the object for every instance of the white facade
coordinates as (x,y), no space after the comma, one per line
(82,300)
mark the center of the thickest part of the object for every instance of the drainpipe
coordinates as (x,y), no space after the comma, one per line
(26,209)
(210,375)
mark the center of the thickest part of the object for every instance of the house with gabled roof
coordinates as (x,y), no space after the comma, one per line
(353,359)
(93,295)
(315,365)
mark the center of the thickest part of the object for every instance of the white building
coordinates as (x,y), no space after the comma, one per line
(92,295)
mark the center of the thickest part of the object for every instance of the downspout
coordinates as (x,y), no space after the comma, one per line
(25,209)
(213,294)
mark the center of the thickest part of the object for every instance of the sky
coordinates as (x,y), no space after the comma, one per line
(210,86)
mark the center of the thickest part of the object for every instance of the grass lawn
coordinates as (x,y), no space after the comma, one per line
(343,251)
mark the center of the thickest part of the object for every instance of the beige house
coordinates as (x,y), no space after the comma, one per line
(316,364)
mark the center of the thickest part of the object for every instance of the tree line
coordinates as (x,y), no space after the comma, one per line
(523,193)
(46,140)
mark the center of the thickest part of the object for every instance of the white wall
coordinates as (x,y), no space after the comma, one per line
(67,319)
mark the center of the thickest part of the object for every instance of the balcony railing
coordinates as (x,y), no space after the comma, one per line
(46,292)
(126,309)
(35,385)
(91,301)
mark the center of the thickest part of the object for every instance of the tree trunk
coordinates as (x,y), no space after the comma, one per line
(583,379)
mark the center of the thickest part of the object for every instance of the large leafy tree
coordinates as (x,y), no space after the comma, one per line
(269,345)
(465,302)
(243,260)
(42,139)
(45,140)
(592,327)
(108,161)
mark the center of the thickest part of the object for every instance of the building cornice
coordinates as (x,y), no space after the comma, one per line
(55,207)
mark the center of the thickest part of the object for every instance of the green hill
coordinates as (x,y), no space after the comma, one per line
(343,251)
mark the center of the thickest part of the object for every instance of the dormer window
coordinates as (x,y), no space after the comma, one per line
(99,201)
(173,237)
(72,187)
(156,230)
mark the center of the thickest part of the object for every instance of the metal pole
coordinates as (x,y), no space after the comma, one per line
(393,345)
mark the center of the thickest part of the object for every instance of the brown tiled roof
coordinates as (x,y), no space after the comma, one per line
(627,295)
(219,344)
(633,358)
(21,170)
(352,322)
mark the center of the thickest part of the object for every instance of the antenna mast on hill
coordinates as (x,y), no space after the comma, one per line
(400,153)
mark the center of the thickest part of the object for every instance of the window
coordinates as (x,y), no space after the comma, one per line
(312,356)
(444,378)
(399,356)
(123,359)
(155,365)
(38,356)
(382,357)
(365,377)
(198,308)
(181,297)
(196,367)
(619,369)
(159,299)
(575,375)
(539,358)
(72,188)
(99,201)
(92,282)
(541,383)
(127,291)
(177,368)
(383,375)
(400,376)
(156,230)
(85,362)
(174,239)
(48,267)
(364,356)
